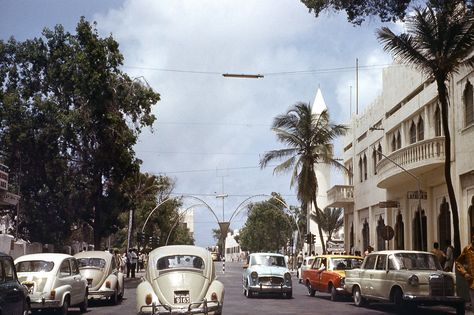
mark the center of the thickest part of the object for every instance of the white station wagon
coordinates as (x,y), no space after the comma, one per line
(180,279)
(406,278)
(102,275)
(53,281)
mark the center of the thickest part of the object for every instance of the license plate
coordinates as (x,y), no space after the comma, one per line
(182,297)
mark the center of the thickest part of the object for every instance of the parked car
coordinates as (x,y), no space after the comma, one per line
(53,281)
(266,273)
(102,275)
(406,278)
(216,256)
(327,274)
(180,279)
(307,262)
(14,298)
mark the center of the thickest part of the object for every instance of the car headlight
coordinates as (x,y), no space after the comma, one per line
(413,280)
(287,277)
(254,276)
(343,281)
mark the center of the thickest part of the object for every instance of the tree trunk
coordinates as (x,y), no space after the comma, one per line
(318,216)
(443,98)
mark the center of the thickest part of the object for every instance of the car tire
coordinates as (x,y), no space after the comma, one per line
(83,306)
(359,300)
(63,310)
(333,291)
(311,291)
(26,308)
(114,297)
(460,309)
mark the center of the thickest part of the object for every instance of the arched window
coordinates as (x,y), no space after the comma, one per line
(365,234)
(365,167)
(421,129)
(437,122)
(379,149)
(374,162)
(399,140)
(468,104)
(380,240)
(399,232)
(361,170)
(412,133)
(444,223)
(419,230)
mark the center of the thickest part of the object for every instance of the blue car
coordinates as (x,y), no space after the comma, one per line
(13,295)
(266,273)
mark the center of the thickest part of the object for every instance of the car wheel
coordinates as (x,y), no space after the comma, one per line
(114,298)
(26,308)
(311,291)
(358,299)
(83,306)
(120,296)
(65,308)
(334,296)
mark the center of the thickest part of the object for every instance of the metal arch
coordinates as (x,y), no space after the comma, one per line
(242,203)
(182,196)
(177,220)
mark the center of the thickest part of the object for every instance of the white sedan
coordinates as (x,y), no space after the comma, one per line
(53,281)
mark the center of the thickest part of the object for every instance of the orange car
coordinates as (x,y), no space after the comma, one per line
(327,274)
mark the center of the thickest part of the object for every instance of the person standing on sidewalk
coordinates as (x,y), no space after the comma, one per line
(465,266)
(449,263)
(133,261)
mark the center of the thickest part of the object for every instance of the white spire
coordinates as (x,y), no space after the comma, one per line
(318,104)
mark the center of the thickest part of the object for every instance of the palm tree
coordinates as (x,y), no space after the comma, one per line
(308,138)
(439,41)
(331,221)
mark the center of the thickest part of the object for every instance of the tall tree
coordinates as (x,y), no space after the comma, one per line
(358,11)
(332,220)
(69,118)
(268,227)
(308,138)
(439,41)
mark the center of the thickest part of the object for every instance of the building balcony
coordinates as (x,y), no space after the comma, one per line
(418,158)
(341,196)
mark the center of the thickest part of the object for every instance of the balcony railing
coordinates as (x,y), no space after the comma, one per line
(425,153)
(340,195)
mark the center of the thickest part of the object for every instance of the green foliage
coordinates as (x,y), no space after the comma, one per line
(331,220)
(268,227)
(69,118)
(439,41)
(308,138)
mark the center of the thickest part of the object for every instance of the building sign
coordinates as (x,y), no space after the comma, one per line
(414,195)
(335,246)
(7,198)
(389,204)
(3,180)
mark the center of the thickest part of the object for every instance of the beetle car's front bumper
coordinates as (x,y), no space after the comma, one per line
(204,307)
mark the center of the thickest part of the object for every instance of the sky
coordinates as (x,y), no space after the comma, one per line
(210,130)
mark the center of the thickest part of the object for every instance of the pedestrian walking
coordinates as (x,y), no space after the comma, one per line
(128,262)
(133,262)
(449,262)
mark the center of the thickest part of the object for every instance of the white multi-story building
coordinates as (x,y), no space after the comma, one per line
(396,148)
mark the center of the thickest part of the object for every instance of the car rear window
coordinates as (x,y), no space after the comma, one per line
(180,261)
(34,266)
(91,262)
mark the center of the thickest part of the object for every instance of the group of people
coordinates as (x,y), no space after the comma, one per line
(446,257)
(130,262)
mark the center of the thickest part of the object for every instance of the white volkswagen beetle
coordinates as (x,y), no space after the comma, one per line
(180,279)
(53,281)
(102,275)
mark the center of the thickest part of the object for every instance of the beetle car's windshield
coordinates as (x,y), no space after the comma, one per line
(268,260)
(345,263)
(180,261)
(91,262)
(34,266)
(416,261)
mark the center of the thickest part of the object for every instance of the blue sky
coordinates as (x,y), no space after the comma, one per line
(210,130)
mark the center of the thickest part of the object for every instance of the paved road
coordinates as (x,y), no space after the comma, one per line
(236,303)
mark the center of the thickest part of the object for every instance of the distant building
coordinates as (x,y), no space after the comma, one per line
(232,248)
(396,148)
(8,200)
